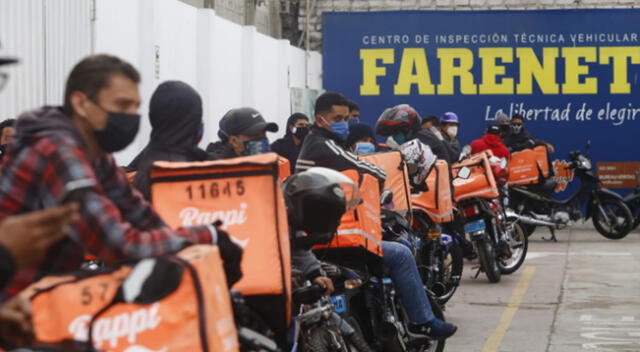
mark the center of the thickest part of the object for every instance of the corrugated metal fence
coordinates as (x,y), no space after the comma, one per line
(48,36)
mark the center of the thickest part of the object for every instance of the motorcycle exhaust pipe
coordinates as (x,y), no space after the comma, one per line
(529,220)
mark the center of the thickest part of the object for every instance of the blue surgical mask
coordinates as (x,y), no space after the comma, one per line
(340,129)
(354,121)
(258,146)
(400,138)
(365,148)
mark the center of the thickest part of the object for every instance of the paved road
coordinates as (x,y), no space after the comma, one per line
(580,294)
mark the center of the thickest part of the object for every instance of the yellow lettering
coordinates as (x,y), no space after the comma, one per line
(414,57)
(448,71)
(619,55)
(371,71)
(530,68)
(574,70)
(490,70)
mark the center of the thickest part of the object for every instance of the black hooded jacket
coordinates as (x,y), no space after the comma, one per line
(285,146)
(175,112)
(438,147)
(520,141)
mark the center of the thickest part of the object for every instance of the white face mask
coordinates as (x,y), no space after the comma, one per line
(452,131)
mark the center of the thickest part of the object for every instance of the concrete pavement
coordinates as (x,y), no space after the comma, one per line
(579,294)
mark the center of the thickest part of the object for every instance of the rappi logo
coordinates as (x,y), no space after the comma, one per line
(191,216)
(562,174)
(111,329)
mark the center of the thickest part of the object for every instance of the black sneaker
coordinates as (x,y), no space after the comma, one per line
(436,329)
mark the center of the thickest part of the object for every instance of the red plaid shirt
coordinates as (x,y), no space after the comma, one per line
(116,222)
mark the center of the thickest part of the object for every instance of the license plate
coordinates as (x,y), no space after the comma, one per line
(475,226)
(339,303)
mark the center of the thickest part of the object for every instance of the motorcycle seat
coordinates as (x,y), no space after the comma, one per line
(548,186)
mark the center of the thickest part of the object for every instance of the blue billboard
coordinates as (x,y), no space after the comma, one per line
(573,74)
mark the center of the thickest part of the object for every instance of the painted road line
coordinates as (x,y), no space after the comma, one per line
(535,255)
(494,341)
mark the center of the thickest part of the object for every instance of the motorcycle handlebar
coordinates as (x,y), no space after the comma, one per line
(308,294)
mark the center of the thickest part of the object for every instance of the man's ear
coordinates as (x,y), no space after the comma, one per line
(78,103)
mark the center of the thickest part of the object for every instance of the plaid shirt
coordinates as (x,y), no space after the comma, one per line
(116,222)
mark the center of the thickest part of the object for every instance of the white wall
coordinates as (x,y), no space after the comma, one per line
(230,65)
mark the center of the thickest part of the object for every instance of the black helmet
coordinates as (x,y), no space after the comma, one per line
(398,119)
(316,200)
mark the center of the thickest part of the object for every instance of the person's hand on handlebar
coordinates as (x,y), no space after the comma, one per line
(325,283)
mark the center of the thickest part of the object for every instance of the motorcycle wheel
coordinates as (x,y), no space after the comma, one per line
(519,247)
(356,343)
(318,340)
(452,272)
(612,218)
(487,257)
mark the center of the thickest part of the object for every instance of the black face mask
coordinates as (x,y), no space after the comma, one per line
(300,132)
(120,131)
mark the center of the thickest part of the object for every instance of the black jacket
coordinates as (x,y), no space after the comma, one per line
(520,141)
(438,147)
(175,112)
(287,148)
(323,148)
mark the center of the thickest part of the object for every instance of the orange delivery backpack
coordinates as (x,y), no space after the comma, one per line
(436,201)
(284,168)
(185,306)
(397,179)
(479,184)
(528,166)
(245,195)
(360,232)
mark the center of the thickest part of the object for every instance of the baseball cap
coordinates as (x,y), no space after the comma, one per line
(247,121)
(493,129)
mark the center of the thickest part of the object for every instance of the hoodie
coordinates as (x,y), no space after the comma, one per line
(520,141)
(175,112)
(492,142)
(285,146)
(116,223)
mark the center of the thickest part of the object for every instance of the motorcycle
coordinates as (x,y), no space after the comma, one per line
(533,206)
(498,240)
(438,258)
(369,303)
(318,328)
(632,200)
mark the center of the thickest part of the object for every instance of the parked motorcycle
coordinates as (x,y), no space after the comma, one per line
(533,206)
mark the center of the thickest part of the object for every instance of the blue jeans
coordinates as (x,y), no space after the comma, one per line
(404,273)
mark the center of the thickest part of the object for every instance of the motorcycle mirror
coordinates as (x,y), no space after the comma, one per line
(464,173)
(386,197)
